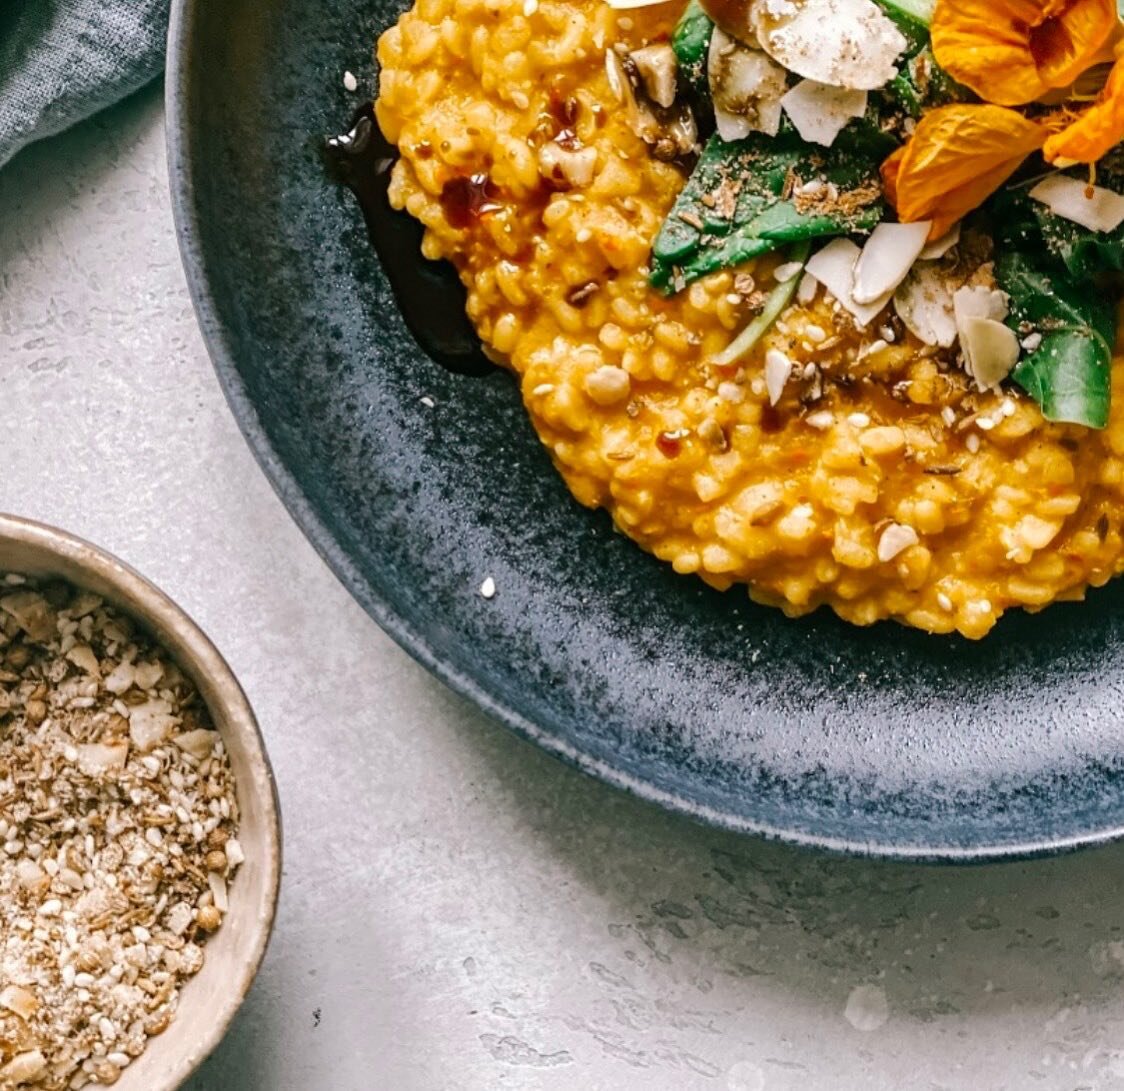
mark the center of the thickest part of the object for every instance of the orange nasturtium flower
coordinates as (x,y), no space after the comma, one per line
(1099,129)
(956,158)
(1012,52)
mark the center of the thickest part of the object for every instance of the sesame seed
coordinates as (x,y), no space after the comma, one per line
(1007,408)
(948,415)
(858,420)
(815,333)
(488,588)
(821,420)
(542,390)
(944,602)
(350,82)
(972,442)
(985,424)
(427,401)
(530,7)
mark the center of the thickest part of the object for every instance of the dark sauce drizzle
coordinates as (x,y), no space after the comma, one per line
(429,293)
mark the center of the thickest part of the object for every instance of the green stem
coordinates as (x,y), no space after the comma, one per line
(779,298)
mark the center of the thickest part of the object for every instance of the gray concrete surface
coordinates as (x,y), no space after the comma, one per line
(458,910)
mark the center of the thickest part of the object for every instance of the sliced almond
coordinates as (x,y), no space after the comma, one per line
(746,88)
(778,368)
(991,350)
(821,112)
(834,268)
(844,43)
(1094,207)
(939,247)
(887,258)
(923,302)
(976,301)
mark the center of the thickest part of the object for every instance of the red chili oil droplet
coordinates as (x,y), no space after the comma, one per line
(466,199)
(669,444)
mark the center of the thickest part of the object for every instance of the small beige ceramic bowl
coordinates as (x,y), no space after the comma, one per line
(210,999)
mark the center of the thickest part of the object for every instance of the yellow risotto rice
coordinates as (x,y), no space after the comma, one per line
(690,459)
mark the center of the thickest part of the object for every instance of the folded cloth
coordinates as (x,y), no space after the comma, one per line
(63,60)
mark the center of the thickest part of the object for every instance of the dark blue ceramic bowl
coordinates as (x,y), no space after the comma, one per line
(880,741)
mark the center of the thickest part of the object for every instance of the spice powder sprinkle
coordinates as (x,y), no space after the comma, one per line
(118,825)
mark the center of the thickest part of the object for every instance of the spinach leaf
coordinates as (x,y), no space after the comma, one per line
(1085,253)
(691,43)
(1069,373)
(739,203)
(921,84)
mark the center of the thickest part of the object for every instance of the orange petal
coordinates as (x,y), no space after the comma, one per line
(1098,130)
(957,157)
(1014,51)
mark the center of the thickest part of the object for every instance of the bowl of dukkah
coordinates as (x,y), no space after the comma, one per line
(140,836)
(817,296)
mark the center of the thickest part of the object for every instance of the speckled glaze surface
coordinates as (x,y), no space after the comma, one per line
(880,741)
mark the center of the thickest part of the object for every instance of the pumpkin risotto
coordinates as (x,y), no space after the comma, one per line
(851,348)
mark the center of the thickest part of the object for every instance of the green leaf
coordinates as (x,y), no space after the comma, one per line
(733,207)
(1022,221)
(691,42)
(922,84)
(1069,373)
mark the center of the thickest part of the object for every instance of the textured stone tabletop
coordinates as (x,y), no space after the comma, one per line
(460,911)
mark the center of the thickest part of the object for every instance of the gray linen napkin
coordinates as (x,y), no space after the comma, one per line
(63,60)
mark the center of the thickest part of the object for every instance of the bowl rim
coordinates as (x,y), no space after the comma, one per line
(157,609)
(177,95)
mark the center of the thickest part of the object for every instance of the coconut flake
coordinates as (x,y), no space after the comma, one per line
(820,112)
(923,302)
(939,247)
(844,43)
(1094,207)
(834,268)
(887,258)
(778,368)
(746,88)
